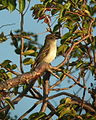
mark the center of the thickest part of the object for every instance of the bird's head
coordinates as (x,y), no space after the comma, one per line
(52,37)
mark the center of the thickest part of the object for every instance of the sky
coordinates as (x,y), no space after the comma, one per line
(7,51)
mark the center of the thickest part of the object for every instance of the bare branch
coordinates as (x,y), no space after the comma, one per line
(6,25)
(24,78)
(71,49)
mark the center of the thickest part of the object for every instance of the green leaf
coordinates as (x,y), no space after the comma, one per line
(67,5)
(28,61)
(56,27)
(14,40)
(5,3)
(28,0)
(65,100)
(9,75)
(18,51)
(15,90)
(68,100)
(6,62)
(14,66)
(79,64)
(21,5)
(62,49)
(61,12)
(64,111)
(33,116)
(66,36)
(37,116)
(2,37)
(28,52)
(9,103)
(11,5)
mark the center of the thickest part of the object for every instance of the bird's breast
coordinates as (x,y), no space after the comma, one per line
(52,53)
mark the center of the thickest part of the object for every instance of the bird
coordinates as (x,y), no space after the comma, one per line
(48,52)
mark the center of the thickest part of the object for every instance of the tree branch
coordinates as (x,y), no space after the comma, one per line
(45,91)
(24,78)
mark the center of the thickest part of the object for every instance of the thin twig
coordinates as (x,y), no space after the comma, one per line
(6,25)
(53,74)
(70,50)
(22,43)
(9,70)
(58,89)
(27,7)
(77,82)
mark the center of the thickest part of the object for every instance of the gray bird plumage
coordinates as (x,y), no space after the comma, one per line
(48,52)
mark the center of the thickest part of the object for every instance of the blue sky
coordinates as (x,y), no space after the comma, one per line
(7,51)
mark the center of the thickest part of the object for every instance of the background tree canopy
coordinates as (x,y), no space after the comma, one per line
(71,81)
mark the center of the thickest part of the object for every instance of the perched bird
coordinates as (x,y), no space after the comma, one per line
(48,51)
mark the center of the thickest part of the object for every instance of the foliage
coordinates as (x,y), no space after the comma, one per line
(75,22)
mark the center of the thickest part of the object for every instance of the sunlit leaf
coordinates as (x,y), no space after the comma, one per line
(11,5)
(14,66)
(9,75)
(21,5)
(79,64)
(5,3)
(3,38)
(28,61)
(28,52)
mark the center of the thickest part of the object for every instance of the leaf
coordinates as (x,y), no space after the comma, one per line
(86,11)
(37,116)
(28,0)
(56,27)
(28,61)
(67,5)
(65,100)
(2,37)
(21,5)
(6,62)
(79,64)
(68,100)
(9,75)
(28,52)
(5,3)
(18,51)
(65,37)
(64,111)
(62,49)
(54,11)
(15,90)
(11,5)
(33,116)
(9,103)
(14,66)
(14,40)
(61,12)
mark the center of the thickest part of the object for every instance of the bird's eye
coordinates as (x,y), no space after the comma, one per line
(51,38)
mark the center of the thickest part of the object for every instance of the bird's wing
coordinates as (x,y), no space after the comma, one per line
(42,53)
